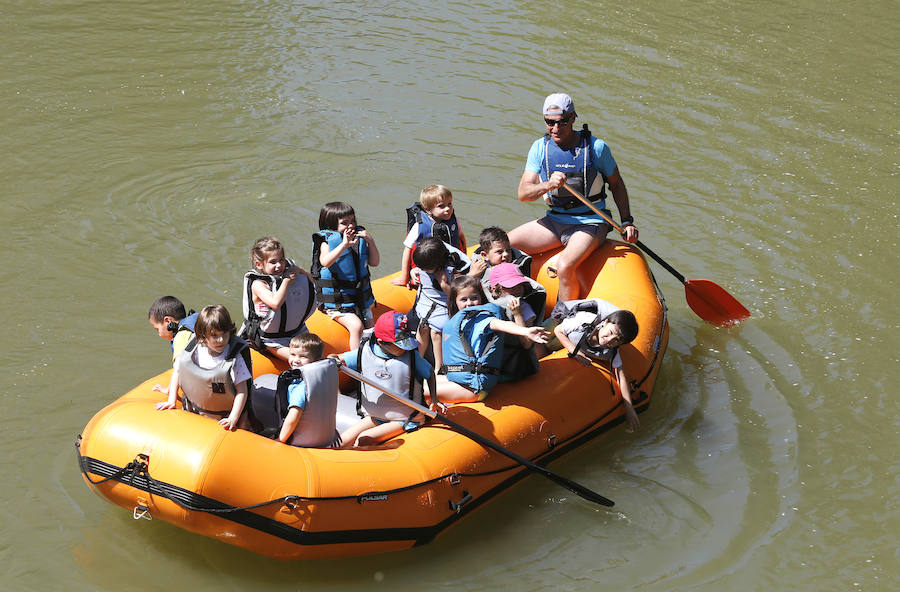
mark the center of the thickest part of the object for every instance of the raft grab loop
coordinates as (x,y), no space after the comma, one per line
(458,506)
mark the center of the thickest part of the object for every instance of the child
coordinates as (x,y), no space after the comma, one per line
(494,249)
(473,350)
(592,331)
(311,397)
(342,254)
(433,216)
(168,317)
(434,272)
(278,297)
(387,355)
(524,301)
(213,371)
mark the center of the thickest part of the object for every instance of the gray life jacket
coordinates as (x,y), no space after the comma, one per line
(316,428)
(210,392)
(288,320)
(395,374)
(579,336)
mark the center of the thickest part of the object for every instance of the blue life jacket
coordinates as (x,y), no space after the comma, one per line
(346,283)
(185,324)
(580,174)
(473,353)
(447,231)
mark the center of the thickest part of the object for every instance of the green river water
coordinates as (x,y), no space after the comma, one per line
(147,145)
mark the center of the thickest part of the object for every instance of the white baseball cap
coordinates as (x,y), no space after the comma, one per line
(558,104)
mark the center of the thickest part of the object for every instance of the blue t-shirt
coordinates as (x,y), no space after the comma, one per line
(423,367)
(296,394)
(601,159)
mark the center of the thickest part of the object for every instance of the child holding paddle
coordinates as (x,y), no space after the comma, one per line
(388,356)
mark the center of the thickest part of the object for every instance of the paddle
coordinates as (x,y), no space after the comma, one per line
(559,479)
(709,300)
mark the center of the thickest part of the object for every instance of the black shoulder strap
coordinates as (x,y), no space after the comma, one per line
(588,329)
(316,268)
(412,215)
(311,290)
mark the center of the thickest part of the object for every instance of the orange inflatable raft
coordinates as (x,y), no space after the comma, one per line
(298,503)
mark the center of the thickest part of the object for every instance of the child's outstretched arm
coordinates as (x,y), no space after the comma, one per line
(240,398)
(403,278)
(172,391)
(630,414)
(532,334)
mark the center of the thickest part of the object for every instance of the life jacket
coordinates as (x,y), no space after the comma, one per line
(472,352)
(317,425)
(447,231)
(288,320)
(579,336)
(210,392)
(346,283)
(185,324)
(580,174)
(396,374)
(429,295)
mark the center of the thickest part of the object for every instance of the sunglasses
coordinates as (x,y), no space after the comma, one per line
(560,122)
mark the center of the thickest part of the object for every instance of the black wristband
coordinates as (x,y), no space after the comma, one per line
(628,221)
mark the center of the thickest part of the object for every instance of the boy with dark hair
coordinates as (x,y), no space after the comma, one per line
(172,322)
(593,330)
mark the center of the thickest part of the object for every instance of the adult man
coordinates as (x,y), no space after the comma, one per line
(565,156)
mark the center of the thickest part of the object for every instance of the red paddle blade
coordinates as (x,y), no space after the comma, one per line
(713,304)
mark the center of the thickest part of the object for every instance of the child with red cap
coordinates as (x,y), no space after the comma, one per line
(388,356)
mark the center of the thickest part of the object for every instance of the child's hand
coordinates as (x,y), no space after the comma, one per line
(631,417)
(478,267)
(291,273)
(160,389)
(163,405)
(350,236)
(401,280)
(514,305)
(362,233)
(228,424)
(538,334)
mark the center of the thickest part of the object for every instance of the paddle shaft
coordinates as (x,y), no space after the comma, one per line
(572,486)
(640,245)
(710,301)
